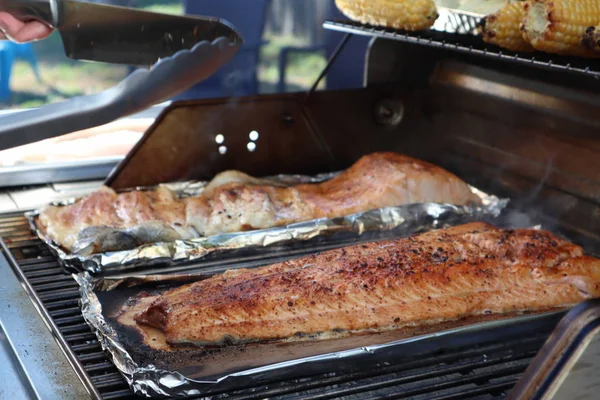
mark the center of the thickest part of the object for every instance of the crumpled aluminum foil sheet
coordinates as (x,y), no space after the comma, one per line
(151,381)
(400,220)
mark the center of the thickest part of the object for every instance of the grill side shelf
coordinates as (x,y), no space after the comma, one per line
(467,43)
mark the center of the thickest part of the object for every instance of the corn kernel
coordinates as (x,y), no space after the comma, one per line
(503,28)
(410,15)
(560,26)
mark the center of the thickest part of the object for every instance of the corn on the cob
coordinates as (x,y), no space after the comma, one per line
(410,15)
(559,26)
(503,28)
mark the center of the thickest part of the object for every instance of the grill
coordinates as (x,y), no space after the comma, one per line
(486,114)
(482,367)
(462,42)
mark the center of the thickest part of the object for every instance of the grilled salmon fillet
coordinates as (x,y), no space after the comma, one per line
(436,276)
(234,202)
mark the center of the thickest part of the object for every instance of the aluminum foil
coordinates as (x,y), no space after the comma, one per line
(197,375)
(392,221)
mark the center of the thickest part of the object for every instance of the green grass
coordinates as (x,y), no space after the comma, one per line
(60,81)
(64,78)
(175,9)
(303,68)
(144,4)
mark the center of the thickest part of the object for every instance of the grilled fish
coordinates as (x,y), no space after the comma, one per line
(437,276)
(234,202)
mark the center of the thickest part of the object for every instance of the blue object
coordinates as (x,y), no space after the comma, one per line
(9,52)
(347,71)
(240,76)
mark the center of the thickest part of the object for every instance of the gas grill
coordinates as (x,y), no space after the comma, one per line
(524,128)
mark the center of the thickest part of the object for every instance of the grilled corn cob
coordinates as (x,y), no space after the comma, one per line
(503,28)
(559,26)
(410,15)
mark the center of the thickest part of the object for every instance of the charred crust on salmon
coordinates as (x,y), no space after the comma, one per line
(478,268)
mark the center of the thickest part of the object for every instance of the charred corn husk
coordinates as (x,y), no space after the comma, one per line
(560,26)
(503,28)
(410,15)
(591,38)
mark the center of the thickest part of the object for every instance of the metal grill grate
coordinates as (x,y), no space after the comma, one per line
(463,42)
(482,367)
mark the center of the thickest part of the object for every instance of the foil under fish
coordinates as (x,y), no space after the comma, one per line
(152,370)
(320,234)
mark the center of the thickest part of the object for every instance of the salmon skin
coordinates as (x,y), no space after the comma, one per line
(236,202)
(437,276)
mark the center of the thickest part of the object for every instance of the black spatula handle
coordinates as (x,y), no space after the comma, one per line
(42,10)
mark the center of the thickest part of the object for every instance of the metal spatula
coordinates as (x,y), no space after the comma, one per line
(120,35)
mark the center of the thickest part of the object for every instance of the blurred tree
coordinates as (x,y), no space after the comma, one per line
(298,18)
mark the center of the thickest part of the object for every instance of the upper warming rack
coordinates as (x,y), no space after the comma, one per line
(457,32)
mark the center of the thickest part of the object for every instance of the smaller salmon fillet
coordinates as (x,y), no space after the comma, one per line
(436,276)
(236,202)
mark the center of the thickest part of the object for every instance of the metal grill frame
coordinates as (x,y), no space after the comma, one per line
(471,45)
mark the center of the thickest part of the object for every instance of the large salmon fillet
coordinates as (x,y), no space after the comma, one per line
(234,202)
(436,276)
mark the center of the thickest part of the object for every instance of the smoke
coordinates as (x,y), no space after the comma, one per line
(527,207)
(533,196)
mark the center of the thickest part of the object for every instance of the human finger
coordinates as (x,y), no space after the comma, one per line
(19,31)
(9,25)
(33,30)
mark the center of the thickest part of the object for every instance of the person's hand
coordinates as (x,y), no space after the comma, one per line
(21,32)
